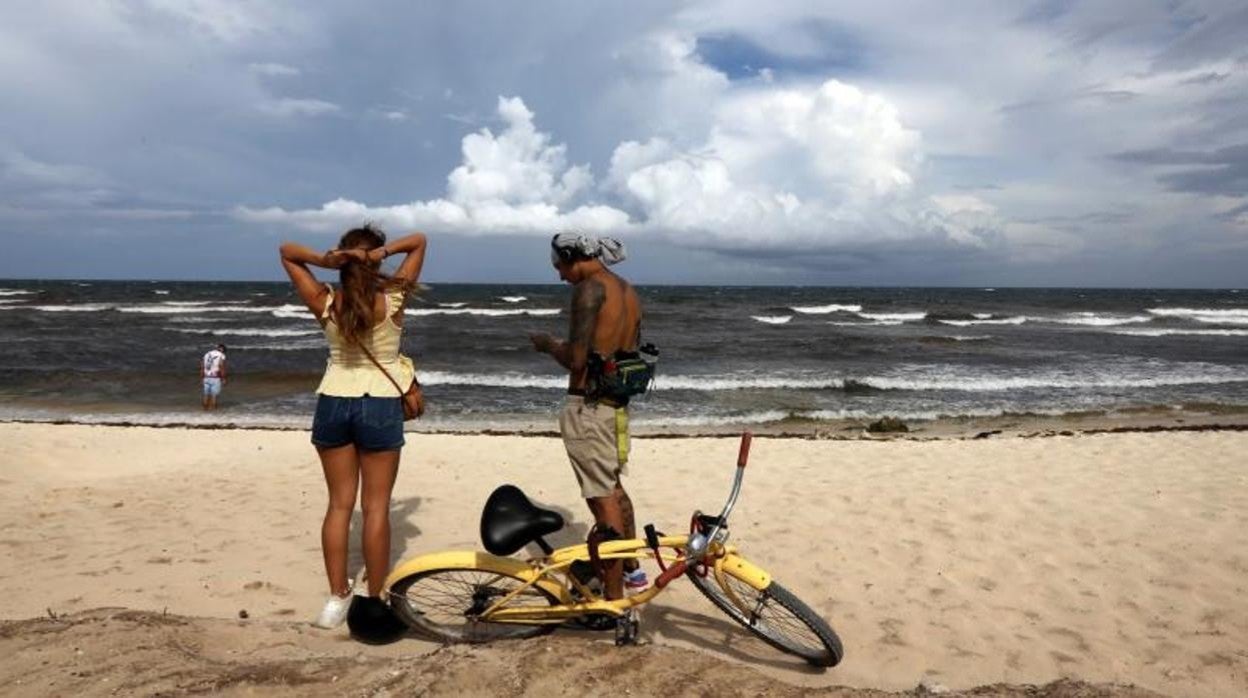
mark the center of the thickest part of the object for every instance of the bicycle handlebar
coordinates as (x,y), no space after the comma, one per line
(744,454)
(699,543)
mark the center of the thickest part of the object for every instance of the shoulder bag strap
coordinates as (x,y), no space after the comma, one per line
(370,356)
(393,382)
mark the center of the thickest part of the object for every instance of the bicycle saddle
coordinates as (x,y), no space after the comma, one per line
(510,521)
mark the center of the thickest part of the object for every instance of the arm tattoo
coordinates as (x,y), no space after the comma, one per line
(586,302)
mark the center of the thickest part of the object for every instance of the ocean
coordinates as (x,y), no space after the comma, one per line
(128,351)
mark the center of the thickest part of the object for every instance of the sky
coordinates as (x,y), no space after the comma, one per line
(1051,143)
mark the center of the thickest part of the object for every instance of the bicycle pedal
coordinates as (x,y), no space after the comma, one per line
(627,629)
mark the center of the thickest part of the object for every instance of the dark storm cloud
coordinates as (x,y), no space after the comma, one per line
(1217,33)
(141,125)
(1223,171)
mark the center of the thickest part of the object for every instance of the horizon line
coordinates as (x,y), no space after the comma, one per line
(643,284)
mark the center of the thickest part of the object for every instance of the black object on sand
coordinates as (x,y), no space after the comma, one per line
(372,622)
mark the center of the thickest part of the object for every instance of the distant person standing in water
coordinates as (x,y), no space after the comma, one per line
(358,426)
(605,319)
(212,373)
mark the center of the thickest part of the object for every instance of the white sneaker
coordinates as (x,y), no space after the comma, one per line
(335,612)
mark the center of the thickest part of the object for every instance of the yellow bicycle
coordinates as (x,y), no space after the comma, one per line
(470,596)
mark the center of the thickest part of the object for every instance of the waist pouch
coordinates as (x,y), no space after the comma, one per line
(623,374)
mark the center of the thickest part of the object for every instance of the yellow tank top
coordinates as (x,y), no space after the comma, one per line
(349,373)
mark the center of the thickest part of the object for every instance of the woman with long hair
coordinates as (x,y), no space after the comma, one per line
(358,427)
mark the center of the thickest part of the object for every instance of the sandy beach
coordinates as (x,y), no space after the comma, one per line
(1113,558)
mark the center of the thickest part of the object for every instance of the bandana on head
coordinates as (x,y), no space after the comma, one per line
(607,250)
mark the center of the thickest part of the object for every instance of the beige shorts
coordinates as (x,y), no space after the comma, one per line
(597,441)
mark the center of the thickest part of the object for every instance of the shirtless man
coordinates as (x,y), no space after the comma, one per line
(606,317)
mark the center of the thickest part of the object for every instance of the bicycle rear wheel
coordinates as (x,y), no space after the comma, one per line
(775,615)
(448,603)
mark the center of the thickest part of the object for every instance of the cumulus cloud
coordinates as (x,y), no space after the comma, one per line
(811,166)
(518,166)
(515,181)
(816,166)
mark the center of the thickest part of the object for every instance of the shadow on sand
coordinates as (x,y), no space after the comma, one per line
(402,532)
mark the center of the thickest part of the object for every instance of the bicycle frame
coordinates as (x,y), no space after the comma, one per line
(552,575)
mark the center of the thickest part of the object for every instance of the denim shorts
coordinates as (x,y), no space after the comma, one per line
(212,387)
(371,423)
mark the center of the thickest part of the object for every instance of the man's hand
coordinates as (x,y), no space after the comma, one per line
(544,343)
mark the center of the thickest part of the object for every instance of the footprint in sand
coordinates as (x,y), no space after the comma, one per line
(99,573)
(1063,658)
(266,586)
(1070,637)
(892,632)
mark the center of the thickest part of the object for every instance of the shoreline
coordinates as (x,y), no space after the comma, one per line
(952,428)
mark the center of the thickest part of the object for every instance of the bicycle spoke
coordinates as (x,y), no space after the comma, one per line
(449,603)
(763,614)
(762,600)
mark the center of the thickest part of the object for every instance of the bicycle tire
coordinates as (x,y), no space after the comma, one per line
(776,616)
(443,604)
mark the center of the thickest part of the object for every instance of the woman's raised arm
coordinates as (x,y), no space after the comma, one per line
(295,260)
(414,246)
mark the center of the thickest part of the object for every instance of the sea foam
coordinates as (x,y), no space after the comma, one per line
(1094,320)
(825,309)
(1173,332)
(244,332)
(1016,320)
(898,317)
(1211,316)
(483,312)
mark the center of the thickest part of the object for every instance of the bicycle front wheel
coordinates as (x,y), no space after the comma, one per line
(775,615)
(448,603)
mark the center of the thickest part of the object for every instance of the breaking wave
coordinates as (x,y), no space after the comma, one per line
(484,312)
(825,309)
(245,332)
